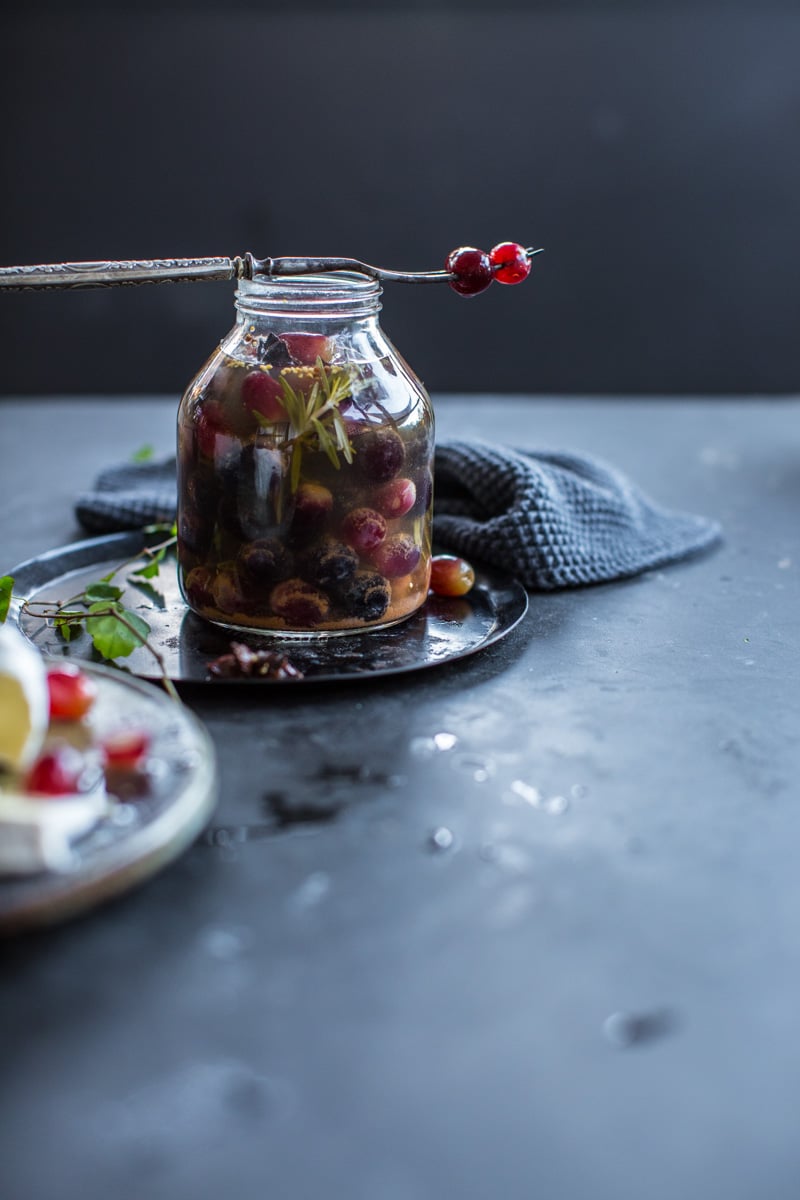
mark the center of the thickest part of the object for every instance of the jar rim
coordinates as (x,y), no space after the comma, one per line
(334,293)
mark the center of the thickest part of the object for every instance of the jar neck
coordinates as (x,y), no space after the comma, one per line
(341,296)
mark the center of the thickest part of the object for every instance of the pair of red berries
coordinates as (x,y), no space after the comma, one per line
(474,270)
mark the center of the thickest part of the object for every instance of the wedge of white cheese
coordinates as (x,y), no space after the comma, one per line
(37,834)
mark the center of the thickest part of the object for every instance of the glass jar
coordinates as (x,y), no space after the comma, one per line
(305,455)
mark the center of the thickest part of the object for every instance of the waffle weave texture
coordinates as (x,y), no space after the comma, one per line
(555,520)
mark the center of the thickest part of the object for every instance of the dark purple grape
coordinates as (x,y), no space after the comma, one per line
(379,454)
(197,587)
(194,532)
(313,506)
(366,596)
(329,563)
(265,560)
(200,490)
(227,593)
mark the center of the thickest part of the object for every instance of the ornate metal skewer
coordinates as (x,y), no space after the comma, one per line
(172,270)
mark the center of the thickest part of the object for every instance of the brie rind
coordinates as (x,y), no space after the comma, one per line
(36,835)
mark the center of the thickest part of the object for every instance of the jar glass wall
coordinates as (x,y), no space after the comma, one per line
(305,454)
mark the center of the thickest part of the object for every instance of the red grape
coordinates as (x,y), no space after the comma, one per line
(72,693)
(451,575)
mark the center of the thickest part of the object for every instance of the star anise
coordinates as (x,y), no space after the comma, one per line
(244,663)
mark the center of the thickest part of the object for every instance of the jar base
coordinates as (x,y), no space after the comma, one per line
(308,635)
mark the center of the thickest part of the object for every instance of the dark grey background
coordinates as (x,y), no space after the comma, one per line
(650,148)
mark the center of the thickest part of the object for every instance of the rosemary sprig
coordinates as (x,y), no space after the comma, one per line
(316,423)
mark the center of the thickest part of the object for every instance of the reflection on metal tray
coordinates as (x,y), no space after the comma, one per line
(443,630)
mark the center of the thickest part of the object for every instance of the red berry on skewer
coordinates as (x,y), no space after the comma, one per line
(471,268)
(510,262)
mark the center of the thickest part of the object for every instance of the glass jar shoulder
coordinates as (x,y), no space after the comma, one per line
(281,364)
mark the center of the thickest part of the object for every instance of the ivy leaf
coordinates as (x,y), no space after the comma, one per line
(102,591)
(64,628)
(6,588)
(68,623)
(115,631)
(150,569)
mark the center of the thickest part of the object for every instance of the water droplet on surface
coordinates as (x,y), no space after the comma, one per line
(624,1030)
(427,746)
(310,892)
(526,792)
(440,839)
(578,791)
(222,944)
(479,768)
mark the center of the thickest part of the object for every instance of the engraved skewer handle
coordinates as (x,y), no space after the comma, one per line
(118,274)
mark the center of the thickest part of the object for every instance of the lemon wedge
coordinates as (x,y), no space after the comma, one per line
(24,702)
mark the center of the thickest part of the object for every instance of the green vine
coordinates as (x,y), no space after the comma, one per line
(115,631)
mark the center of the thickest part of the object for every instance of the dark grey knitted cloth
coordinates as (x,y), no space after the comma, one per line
(129,496)
(552,520)
(555,520)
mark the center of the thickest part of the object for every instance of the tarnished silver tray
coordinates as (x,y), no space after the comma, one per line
(443,630)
